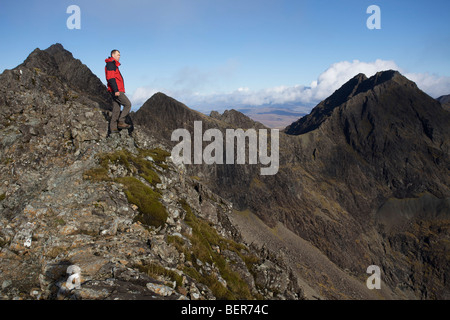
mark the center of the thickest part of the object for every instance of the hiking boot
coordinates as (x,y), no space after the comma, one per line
(123,125)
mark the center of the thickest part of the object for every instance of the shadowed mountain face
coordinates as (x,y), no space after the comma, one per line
(445,102)
(399,132)
(363,180)
(375,140)
(378,142)
(161,115)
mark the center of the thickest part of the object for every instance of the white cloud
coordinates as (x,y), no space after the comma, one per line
(433,85)
(141,95)
(339,73)
(327,82)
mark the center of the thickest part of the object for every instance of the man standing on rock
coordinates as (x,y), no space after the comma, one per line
(117,88)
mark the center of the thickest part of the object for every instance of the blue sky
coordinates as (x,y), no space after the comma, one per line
(212,54)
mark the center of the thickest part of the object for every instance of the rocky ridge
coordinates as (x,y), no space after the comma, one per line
(363,179)
(116,207)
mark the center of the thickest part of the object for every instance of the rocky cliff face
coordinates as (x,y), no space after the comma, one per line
(363,179)
(112,214)
(382,143)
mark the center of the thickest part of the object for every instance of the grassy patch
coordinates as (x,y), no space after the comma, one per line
(155,270)
(151,210)
(203,238)
(135,164)
(158,155)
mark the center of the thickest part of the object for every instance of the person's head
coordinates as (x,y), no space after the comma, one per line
(115,54)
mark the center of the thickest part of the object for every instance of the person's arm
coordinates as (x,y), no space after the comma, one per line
(111,76)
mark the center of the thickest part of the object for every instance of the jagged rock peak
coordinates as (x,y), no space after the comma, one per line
(58,62)
(161,114)
(355,86)
(160,98)
(162,104)
(45,59)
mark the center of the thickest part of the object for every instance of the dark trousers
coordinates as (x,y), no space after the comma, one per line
(118,116)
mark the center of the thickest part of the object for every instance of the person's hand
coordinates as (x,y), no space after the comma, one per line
(117,93)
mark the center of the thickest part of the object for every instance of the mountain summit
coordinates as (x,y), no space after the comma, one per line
(113,213)
(389,122)
(359,85)
(57,62)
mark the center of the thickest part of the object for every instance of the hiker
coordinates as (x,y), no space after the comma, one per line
(117,89)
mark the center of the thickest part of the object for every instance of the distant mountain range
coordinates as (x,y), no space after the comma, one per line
(275,116)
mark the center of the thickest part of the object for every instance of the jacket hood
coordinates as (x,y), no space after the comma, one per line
(110,59)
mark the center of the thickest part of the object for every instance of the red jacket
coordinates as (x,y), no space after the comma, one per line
(113,75)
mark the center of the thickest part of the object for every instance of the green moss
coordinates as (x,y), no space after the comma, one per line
(2,196)
(157,154)
(96,174)
(217,288)
(158,158)
(154,270)
(177,242)
(203,238)
(135,164)
(153,213)
(60,221)
(151,210)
